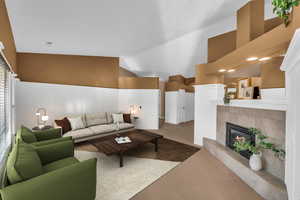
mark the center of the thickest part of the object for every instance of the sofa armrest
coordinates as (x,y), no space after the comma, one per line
(47,134)
(74,182)
(56,151)
(46,142)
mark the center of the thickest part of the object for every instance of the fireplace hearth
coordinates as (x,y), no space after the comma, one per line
(233,131)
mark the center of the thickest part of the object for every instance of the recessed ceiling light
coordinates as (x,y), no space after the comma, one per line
(264,58)
(222,70)
(252,58)
(231,70)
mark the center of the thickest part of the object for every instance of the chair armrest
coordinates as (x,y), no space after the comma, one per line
(46,142)
(74,182)
(47,134)
(56,151)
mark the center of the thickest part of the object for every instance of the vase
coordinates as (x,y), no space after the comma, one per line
(255,162)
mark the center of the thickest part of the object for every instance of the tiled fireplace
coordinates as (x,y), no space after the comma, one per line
(237,120)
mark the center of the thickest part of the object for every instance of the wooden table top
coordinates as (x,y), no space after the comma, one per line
(109,146)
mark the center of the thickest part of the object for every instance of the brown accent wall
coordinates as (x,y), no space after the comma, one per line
(271,75)
(138,82)
(226,41)
(70,70)
(177,82)
(250,22)
(272,23)
(6,37)
(202,78)
(126,73)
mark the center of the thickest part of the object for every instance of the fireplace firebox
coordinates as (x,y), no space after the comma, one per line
(233,131)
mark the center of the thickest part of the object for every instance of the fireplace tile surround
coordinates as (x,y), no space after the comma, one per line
(270,122)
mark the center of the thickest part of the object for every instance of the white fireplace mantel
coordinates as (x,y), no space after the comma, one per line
(272,99)
(280,105)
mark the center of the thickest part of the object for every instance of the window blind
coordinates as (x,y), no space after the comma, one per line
(5,111)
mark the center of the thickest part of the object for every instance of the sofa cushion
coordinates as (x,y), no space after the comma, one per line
(26,135)
(23,163)
(76,123)
(59,164)
(79,133)
(109,117)
(105,128)
(125,126)
(95,119)
(64,124)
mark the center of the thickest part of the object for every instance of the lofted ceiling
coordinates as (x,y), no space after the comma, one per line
(109,27)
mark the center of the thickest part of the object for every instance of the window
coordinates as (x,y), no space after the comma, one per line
(5,112)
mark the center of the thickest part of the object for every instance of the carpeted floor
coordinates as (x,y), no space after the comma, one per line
(183,133)
(115,183)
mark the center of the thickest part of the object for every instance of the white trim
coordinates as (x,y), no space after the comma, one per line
(5,59)
(291,65)
(292,56)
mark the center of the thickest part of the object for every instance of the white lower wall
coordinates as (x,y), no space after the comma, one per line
(148,99)
(206,98)
(61,100)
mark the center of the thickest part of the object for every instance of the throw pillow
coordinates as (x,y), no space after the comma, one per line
(118,118)
(27,135)
(109,118)
(127,118)
(76,123)
(23,163)
(64,124)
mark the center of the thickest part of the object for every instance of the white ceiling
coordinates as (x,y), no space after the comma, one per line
(109,27)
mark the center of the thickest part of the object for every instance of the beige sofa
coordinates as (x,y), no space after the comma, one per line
(97,125)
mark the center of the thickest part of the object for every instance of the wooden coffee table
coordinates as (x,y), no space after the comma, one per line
(109,146)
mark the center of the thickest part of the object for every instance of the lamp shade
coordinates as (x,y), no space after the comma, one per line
(45,118)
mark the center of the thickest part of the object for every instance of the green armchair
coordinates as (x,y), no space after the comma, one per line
(39,138)
(48,172)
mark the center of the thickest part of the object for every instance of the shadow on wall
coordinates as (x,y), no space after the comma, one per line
(177,56)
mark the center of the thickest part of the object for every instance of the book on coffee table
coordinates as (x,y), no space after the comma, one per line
(122,140)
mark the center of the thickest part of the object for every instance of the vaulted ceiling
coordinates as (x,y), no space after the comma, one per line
(109,27)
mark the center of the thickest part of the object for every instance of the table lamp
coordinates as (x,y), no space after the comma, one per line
(42,117)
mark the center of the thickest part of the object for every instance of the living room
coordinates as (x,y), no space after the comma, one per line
(149,100)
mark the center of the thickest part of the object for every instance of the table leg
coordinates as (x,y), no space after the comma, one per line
(156,144)
(121,159)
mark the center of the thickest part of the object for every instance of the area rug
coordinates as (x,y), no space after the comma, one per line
(115,183)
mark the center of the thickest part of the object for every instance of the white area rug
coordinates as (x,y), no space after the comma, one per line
(115,183)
